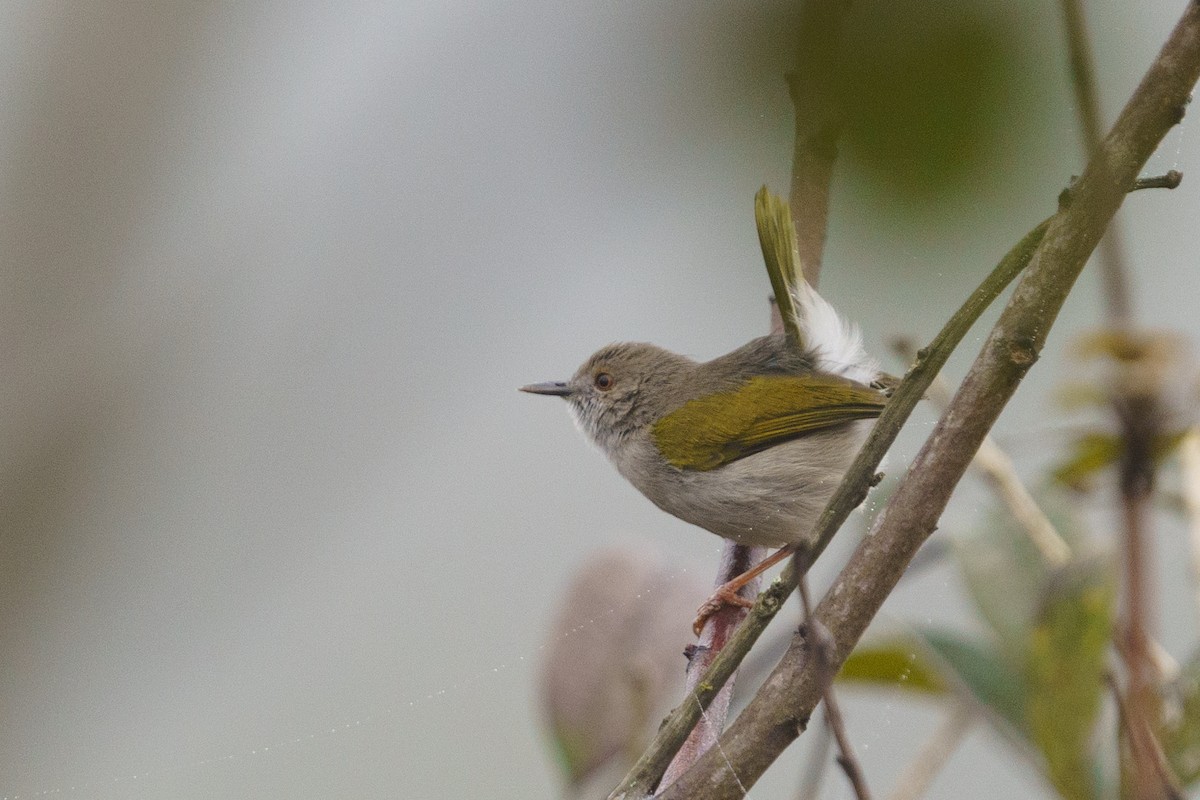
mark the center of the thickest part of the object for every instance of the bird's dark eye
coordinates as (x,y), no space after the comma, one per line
(603,381)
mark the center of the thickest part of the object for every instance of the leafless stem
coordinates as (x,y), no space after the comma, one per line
(1155,778)
(819,122)
(772,719)
(822,645)
(814,773)
(1111,253)
(1138,415)
(735,559)
(934,754)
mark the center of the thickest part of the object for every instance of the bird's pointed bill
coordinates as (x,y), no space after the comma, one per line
(557,388)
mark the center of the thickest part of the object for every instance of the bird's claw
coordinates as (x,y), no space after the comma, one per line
(722,597)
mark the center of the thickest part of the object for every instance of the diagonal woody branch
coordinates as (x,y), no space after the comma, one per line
(780,710)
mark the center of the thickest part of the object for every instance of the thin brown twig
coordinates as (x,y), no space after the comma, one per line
(822,645)
(1137,416)
(1139,430)
(1164,664)
(814,774)
(1170,180)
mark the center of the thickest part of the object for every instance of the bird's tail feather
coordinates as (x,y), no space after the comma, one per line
(835,342)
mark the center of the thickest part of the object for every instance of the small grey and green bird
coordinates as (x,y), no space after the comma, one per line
(750,445)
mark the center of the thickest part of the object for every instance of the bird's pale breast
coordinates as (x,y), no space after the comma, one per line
(770,498)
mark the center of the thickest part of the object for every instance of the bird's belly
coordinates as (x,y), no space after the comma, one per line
(769,499)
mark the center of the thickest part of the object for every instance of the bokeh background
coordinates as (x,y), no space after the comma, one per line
(273,520)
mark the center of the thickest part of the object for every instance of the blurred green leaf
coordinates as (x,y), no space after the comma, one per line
(896,662)
(988,677)
(1064,669)
(1181,723)
(938,662)
(1077,396)
(1168,443)
(1091,453)
(1004,571)
(931,93)
(1094,452)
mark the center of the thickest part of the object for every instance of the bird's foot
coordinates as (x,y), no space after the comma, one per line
(725,595)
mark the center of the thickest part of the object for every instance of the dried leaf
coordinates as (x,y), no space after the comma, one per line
(614,660)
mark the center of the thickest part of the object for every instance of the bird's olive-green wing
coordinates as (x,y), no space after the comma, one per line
(714,430)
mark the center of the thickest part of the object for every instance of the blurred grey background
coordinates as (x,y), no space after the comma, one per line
(274,521)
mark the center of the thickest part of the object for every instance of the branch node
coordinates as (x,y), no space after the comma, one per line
(770,602)
(1021,351)
(1181,110)
(1066,195)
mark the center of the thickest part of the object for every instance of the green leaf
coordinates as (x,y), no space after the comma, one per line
(1093,452)
(988,677)
(943,663)
(1167,443)
(1004,573)
(898,663)
(1064,669)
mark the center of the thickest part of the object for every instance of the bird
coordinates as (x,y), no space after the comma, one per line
(750,445)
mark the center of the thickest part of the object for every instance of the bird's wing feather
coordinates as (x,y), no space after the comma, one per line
(714,430)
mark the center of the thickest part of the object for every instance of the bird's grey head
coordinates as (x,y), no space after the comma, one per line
(621,389)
